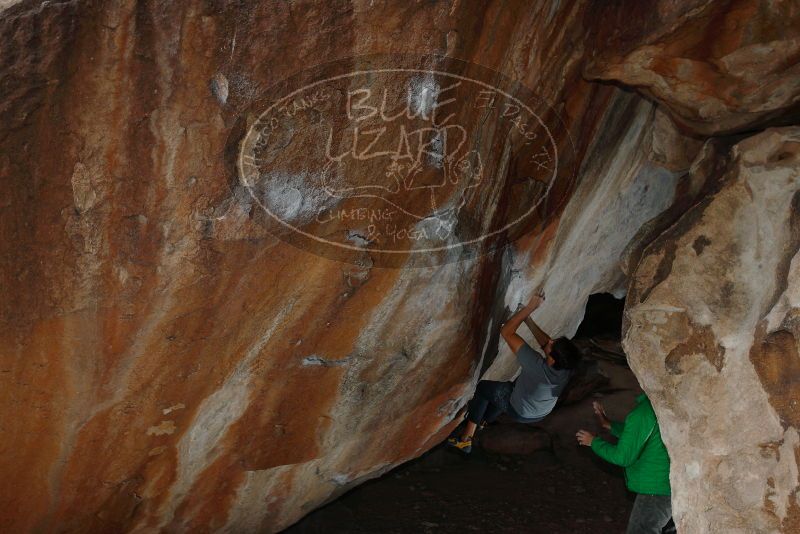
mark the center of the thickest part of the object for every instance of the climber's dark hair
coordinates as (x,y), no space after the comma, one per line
(565,354)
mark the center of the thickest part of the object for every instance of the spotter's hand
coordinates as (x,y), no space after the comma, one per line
(600,412)
(585,438)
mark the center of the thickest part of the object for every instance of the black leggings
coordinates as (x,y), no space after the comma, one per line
(490,400)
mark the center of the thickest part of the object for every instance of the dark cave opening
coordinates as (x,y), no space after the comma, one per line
(602,318)
(519,478)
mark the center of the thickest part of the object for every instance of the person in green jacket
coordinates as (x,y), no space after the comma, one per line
(643,455)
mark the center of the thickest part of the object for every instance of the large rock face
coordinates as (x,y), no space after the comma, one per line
(168,363)
(713,334)
(720,67)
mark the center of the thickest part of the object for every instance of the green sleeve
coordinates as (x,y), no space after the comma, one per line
(637,429)
(616,428)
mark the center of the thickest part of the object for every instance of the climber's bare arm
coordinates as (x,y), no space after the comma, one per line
(509,330)
(541,337)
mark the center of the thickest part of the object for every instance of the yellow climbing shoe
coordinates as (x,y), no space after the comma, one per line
(464,445)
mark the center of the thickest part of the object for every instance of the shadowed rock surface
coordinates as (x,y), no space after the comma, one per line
(167,363)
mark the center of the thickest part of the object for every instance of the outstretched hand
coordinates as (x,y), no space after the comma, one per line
(600,412)
(585,438)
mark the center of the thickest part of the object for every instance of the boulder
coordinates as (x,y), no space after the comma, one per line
(713,332)
(179,353)
(180,361)
(718,67)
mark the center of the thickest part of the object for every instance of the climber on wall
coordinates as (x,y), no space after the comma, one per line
(534,393)
(643,455)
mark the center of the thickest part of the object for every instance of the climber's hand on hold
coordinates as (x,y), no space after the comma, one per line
(536,300)
(585,438)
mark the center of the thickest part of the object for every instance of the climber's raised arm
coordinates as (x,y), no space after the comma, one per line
(541,337)
(509,329)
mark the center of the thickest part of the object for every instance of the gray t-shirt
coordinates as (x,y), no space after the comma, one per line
(538,386)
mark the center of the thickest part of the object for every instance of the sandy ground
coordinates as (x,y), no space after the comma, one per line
(561,489)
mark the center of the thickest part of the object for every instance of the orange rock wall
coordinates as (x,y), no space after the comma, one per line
(168,364)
